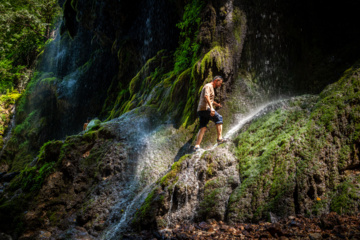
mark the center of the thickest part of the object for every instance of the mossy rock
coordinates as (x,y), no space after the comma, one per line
(307,137)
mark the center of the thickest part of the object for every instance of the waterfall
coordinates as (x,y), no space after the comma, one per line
(263,109)
(189,176)
(150,153)
(151,158)
(9,129)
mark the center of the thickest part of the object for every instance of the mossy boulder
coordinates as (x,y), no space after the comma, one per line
(200,182)
(289,162)
(7,111)
(293,161)
(63,174)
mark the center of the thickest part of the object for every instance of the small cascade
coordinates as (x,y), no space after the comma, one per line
(261,110)
(10,127)
(151,153)
(171,204)
(154,27)
(189,176)
(129,211)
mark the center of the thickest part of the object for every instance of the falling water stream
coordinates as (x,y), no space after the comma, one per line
(9,129)
(190,175)
(148,151)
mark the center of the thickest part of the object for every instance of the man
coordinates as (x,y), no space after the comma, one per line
(206,111)
(86,124)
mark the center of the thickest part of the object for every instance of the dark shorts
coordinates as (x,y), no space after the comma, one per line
(205,117)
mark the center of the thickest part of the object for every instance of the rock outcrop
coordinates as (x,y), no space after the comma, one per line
(300,159)
(139,66)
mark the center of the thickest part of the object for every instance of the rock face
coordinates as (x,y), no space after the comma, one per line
(201,182)
(300,159)
(120,61)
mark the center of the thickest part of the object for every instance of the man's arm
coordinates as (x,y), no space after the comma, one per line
(217,104)
(212,113)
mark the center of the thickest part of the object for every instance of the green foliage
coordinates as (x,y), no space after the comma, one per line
(187,53)
(9,98)
(25,26)
(6,103)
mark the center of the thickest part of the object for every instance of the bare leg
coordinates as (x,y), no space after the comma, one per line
(199,136)
(219,131)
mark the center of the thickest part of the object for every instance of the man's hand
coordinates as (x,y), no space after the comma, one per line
(217,104)
(212,113)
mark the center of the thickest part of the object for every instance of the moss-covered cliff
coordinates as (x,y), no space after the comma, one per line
(301,158)
(139,67)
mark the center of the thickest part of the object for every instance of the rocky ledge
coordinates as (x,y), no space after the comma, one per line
(328,226)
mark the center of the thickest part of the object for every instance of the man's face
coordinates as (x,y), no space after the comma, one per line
(218,82)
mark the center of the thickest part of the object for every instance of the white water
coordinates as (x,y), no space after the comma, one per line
(189,177)
(152,150)
(240,122)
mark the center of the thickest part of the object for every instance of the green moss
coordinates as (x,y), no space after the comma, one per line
(96,155)
(146,87)
(49,152)
(135,84)
(239,24)
(265,156)
(216,57)
(31,179)
(187,53)
(209,170)
(301,137)
(171,177)
(50,80)
(209,204)
(346,197)
(146,214)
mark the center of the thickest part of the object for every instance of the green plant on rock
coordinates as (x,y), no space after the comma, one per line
(171,177)
(216,57)
(208,205)
(346,198)
(187,53)
(31,179)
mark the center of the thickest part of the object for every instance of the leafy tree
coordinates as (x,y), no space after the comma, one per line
(25,26)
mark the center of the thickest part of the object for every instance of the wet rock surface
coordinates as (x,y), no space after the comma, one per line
(301,159)
(197,187)
(92,179)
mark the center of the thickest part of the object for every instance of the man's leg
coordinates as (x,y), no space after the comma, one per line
(219,131)
(200,136)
